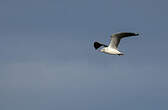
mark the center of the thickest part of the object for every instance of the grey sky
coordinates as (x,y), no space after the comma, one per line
(48,60)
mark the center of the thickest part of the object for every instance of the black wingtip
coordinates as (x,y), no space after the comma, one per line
(136,34)
(97,45)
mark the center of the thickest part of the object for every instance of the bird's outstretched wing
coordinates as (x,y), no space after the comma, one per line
(97,45)
(115,38)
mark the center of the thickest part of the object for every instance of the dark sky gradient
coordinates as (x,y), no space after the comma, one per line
(47,59)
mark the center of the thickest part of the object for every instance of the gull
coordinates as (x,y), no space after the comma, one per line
(112,49)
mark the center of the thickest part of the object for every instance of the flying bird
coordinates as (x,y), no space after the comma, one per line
(113,46)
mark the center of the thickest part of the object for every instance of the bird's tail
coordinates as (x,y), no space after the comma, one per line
(97,45)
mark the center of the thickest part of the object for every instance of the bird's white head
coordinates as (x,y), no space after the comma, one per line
(102,50)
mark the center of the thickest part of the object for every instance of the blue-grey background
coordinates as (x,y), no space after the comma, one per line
(47,59)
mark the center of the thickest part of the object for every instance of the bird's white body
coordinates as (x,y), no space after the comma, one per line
(112,51)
